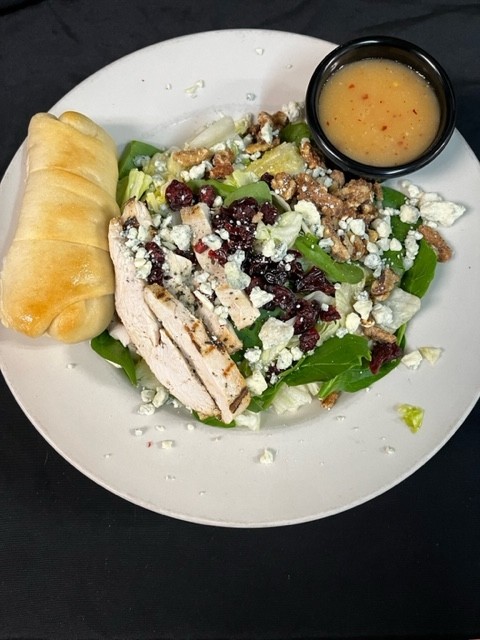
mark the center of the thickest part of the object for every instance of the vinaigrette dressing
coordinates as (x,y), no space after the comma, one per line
(379,112)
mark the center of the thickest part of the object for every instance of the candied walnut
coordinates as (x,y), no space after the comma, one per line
(338,250)
(433,237)
(338,180)
(378,191)
(283,184)
(264,118)
(280,119)
(378,334)
(330,401)
(312,157)
(356,192)
(309,189)
(222,164)
(261,145)
(190,157)
(383,286)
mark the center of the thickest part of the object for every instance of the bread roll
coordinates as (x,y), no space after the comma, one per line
(57,276)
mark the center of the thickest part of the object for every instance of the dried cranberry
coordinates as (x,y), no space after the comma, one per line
(270,213)
(130,223)
(218,255)
(243,209)
(155,252)
(178,195)
(383,352)
(309,339)
(200,246)
(275,275)
(283,298)
(156,275)
(307,313)
(315,280)
(207,194)
(255,281)
(267,177)
(330,314)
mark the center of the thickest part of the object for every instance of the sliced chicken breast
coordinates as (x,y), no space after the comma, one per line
(211,362)
(157,349)
(240,308)
(223,333)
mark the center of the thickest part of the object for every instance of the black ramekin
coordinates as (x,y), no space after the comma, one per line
(392,49)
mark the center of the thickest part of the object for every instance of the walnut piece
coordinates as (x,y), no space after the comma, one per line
(283,184)
(190,157)
(433,237)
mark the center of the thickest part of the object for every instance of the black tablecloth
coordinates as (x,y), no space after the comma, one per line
(79,562)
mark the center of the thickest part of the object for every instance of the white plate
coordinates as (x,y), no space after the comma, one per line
(324,462)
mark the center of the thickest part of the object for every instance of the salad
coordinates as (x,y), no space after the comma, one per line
(267,278)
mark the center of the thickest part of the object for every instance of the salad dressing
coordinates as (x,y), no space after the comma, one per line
(379,112)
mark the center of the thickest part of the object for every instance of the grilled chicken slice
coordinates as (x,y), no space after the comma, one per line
(157,349)
(223,333)
(133,208)
(212,364)
(241,310)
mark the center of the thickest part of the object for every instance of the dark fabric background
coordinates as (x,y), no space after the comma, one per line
(78,562)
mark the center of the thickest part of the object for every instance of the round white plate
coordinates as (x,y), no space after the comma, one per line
(324,462)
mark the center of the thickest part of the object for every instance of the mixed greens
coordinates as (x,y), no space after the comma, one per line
(335,265)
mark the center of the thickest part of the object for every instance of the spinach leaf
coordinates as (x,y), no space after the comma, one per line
(221,188)
(132,150)
(213,422)
(258,190)
(418,278)
(331,358)
(295,132)
(307,245)
(392,198)
(114,351)
(263,401)
(356,378)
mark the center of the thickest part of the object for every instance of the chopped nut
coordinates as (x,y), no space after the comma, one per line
(377,333)
(261,146)
(338,180)
(339,251)
(309,189)
(329,401)
(383,286)
(283,184)
(190,157)
(222,164)
(356,192)
(433,237)
(311,156)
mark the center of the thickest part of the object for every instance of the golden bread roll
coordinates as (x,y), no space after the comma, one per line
(57,276)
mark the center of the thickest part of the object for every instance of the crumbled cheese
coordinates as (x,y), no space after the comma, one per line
(275,333)
(284,360)
(248,419)
(166,444)
(395,245)
(363,308)
(382,227)
(310,213)
(356,226)
(409,213)
(259,297)
(412,360)
(236,278)
(256,383)
(213,241)
(352,322)
(442,213)
(372,261)
(267,456)
(253,354)
(431,354)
